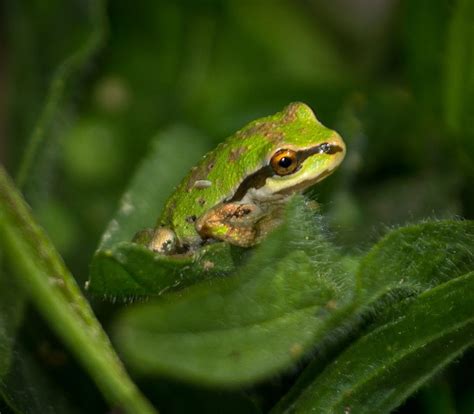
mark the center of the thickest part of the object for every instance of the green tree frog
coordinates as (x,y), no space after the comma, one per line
(237,192)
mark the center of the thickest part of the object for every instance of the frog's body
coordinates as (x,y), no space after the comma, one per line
(237,190)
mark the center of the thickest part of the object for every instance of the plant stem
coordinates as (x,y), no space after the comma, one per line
(56,294)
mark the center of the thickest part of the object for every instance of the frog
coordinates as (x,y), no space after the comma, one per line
(237,192)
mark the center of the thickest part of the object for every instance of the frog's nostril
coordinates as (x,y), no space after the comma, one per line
(325,148)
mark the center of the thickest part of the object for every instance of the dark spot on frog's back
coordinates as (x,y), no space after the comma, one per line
(290,112)
(269,130)
(235,154)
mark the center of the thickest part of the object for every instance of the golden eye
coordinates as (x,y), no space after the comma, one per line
(284,162)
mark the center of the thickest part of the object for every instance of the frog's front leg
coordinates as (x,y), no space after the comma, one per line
(230,222)
(240,224)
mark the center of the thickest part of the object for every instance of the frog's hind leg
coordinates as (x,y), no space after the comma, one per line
(230,222)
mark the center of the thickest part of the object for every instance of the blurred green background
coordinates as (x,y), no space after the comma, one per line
(395,78)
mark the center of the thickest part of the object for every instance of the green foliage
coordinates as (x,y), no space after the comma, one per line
(22,381)
(287,299)
(343,309)
(459,77)
(246,327)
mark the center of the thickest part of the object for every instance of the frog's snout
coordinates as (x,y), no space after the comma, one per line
(337,148)
(337,143)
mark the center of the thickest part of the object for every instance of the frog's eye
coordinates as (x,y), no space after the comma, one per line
(284,162)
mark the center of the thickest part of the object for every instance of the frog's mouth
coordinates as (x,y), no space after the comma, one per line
(306,183)
(258,180)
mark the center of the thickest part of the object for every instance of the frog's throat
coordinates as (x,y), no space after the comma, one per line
(258,179)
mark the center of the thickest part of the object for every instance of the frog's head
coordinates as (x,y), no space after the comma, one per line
(302,153)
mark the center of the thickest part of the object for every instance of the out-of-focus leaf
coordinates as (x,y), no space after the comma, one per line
(384,367)
(121,269)
(12,305)
(84,43)
(459,61)
(248,326)
(29,390)
(425,25)
(302,51)
(91,154)
(459,85)
(51,287)
(176,397)
(437,398)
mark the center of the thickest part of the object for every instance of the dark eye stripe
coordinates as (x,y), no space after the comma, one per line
(258,178)
(255,180)
(324,148)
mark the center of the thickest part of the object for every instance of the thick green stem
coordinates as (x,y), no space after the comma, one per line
(54,291)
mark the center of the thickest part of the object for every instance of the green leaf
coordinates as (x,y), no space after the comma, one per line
(53,290)
(417,257)
(175,397)
(121,269)
(437,398)
(70,56)
(424,32)
(291,296)
(459,85)
(28,390)
(244,328)
(12,305)
(303,52)
(406,262)
(384,367)
(129,270)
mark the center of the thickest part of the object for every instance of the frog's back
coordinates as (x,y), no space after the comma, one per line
(213,180)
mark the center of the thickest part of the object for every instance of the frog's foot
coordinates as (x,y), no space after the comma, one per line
(163,241)
(231,222)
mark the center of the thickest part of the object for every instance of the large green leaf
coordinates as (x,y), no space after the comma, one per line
(384,367)
(293,295)
(248,326)
(41,272)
